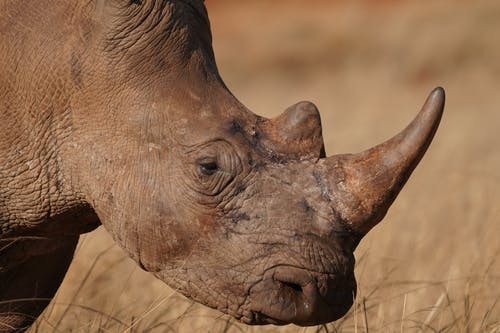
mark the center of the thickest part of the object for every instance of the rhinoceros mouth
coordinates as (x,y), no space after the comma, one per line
(289,294)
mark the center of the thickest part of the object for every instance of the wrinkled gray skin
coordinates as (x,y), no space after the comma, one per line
(113,112)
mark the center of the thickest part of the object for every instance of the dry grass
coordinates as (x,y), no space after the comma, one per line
(432,265)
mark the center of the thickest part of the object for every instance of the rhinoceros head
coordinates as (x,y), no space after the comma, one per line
(239,212)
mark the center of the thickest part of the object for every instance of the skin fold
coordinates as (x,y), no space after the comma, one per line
(113,112)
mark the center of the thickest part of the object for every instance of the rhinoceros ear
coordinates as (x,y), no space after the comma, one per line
(295,134)
(369,181)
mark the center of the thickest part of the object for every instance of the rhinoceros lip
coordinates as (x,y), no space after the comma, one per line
(288,294)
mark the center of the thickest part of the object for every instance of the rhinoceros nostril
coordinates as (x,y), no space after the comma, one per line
(291,285)
(289,294)
(292,279)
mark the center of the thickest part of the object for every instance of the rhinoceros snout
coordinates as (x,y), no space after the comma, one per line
(289,294)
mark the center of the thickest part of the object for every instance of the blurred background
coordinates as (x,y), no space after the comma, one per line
(433,264)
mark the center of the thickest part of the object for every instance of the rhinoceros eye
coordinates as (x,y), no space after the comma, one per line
(207,166)
(214,166)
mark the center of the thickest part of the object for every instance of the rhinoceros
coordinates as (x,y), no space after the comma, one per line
(113,112)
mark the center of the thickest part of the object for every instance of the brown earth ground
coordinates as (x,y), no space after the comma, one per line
(433,264)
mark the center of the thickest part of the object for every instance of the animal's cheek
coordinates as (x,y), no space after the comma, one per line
(162,243)
(172,234)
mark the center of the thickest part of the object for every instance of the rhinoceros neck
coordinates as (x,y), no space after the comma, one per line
(35,92)
(34,192)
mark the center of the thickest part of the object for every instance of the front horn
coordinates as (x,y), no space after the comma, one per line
(363,186)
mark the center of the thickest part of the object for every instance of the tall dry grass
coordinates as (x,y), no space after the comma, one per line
(432,265)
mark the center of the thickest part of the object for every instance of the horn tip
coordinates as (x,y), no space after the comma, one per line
(437,97)
(439,90)
(434,106)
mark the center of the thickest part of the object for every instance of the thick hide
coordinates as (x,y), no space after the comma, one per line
(113,112)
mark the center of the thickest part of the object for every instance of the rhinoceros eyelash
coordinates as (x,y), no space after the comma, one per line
(209,169)
(207,166)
